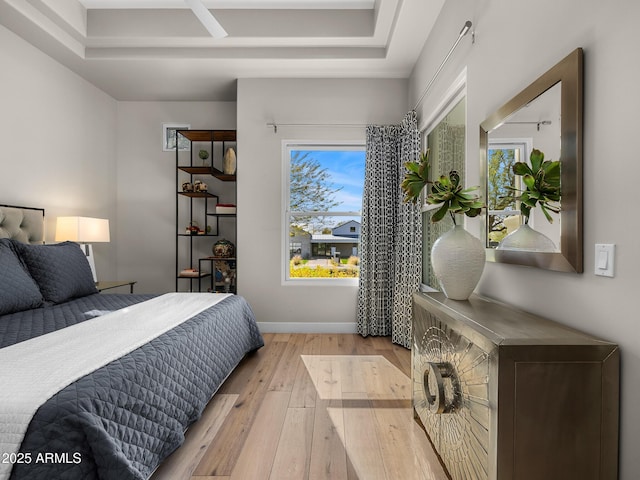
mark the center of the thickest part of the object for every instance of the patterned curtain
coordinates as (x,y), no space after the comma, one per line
(390,239)
(408,240)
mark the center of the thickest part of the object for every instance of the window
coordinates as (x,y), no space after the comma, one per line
(323,205)
(502,208)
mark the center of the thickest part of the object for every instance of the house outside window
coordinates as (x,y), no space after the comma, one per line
(322,212)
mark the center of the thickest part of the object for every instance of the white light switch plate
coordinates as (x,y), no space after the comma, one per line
(605,259)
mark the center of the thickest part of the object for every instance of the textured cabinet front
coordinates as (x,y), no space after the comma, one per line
(506,395)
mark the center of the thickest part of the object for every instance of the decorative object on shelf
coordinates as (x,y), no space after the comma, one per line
(189,272)
(223,249)
(194,229)
(228,280)
(225,208)
(187,187)
(222,268)
(229,167)
(542,188)
(204,155)
(224,274)
(457,256)
(200,186)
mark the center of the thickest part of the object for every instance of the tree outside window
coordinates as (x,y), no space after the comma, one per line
(324,203)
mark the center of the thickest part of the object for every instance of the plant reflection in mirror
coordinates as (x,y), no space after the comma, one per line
(542,185)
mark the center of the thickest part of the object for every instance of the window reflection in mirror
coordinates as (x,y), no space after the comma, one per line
(536,125)
(503,211)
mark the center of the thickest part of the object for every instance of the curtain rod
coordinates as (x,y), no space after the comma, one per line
(345,125)
(463,32)
(541,122)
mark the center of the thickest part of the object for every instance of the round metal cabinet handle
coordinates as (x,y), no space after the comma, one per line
(441,387)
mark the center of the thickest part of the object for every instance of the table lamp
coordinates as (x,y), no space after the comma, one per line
(85,231)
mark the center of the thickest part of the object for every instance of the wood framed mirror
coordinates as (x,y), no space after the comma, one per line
(546,115)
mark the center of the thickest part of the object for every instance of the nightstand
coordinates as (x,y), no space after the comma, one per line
(107,285)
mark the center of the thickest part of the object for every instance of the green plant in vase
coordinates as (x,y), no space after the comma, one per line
(453,198)
(447,191)
(542,185)
(457,256)
(204,155)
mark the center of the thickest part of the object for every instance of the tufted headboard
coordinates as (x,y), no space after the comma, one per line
(24,224)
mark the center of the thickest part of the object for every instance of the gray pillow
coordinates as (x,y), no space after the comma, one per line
(61,270)
(18,291)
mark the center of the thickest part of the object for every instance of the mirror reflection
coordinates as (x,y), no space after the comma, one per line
(536,125)
(544,117)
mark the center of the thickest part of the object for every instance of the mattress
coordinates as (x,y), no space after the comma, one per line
(122,420)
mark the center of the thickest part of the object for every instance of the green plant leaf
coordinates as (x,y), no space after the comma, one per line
(536,158)
(473,212)
(521,168)
(546,213)
(416,178)
(529,181)
(413,167)
(440,213)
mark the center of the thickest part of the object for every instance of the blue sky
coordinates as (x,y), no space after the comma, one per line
(347,170)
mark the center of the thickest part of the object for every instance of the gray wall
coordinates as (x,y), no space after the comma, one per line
(58,137)
(521,40)
(260,204)
(146,189)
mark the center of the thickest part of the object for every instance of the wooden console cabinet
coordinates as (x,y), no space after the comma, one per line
(506,395)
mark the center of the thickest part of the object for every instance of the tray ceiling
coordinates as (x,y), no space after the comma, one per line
(159,50)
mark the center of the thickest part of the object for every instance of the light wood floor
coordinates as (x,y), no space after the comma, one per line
(310,407)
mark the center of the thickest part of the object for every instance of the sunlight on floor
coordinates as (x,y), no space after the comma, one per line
(369,407)
(373,376)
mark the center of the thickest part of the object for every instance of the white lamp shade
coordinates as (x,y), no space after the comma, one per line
(82,229)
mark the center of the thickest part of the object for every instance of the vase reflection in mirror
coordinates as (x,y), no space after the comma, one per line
(524,238)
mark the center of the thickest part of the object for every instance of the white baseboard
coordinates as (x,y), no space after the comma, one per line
(304,327)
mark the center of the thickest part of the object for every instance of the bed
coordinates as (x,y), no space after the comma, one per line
(101,386)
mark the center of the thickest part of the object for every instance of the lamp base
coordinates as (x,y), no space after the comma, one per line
(87,248)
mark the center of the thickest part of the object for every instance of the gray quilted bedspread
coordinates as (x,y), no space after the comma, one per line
(121,421)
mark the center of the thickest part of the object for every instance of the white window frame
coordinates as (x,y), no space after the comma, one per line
(287,147)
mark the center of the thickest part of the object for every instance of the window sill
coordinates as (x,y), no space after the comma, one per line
(321,282)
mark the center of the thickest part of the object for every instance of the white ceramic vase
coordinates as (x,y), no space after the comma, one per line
(458,260)
(229,167)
